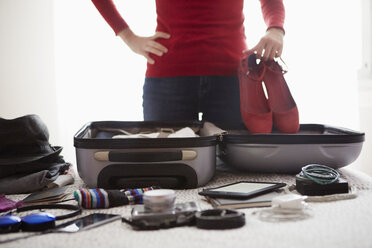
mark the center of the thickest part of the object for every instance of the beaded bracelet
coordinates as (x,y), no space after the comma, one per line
(101,198)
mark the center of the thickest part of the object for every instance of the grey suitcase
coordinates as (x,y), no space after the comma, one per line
(141,162)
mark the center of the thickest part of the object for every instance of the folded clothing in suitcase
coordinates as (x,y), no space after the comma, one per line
(103,160)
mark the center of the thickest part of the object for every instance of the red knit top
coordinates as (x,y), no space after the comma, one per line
(207,36)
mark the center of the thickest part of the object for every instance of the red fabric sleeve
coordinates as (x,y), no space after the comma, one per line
(112,16)
(273,13)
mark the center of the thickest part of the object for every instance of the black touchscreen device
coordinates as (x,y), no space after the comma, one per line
(241,190)
(87,222)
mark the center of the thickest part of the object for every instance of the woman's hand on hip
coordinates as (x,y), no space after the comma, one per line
(144,45)
(271,44)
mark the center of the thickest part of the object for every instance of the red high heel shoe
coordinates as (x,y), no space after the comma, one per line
(285,112)
(254,108)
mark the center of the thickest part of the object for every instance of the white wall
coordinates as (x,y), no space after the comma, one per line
(365,88)
(27,80)
(98,77)
(365,108)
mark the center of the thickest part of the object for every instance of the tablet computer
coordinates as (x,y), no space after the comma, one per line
(241,190)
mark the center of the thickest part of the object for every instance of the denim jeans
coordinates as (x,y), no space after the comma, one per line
(183,98)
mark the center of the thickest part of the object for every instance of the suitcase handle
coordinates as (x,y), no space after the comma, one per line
(166,182)
(114,156)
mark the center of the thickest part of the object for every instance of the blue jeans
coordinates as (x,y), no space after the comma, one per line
(182,98)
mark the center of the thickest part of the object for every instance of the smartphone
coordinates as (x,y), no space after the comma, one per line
(86,222)
(241,190)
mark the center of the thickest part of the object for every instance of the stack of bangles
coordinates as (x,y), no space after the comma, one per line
(319,174)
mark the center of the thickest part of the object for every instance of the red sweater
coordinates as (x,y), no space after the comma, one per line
(207,36)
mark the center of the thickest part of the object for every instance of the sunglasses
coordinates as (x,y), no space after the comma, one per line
(35,222)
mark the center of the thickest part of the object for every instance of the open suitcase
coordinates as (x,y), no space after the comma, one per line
(190,162)
(106,162)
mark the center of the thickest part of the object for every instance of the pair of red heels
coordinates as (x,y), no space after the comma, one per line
(259,113)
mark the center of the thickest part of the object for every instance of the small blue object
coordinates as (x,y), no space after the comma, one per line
(7,220)
(38,222)
(38,218)
(9,223)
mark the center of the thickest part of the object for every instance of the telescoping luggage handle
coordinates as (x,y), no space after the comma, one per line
(115,156)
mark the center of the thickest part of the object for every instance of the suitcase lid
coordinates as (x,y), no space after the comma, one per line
(307,134)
